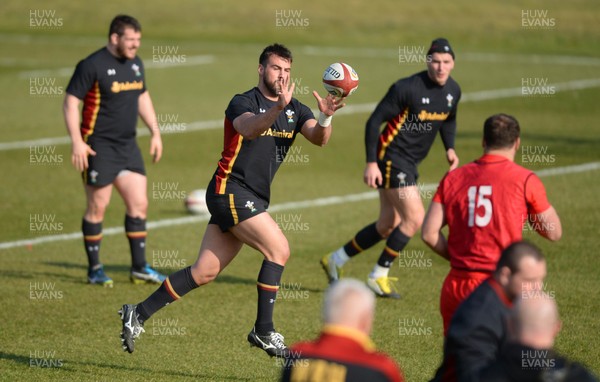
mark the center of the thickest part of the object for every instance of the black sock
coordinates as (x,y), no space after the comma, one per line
(267,285)
(364,239)
(135,228)
(394,244)
(92,237)
(172,289)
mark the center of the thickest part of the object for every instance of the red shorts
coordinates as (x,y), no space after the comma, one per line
(458,285)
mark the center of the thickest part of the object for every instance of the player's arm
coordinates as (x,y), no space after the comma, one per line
(389,107)
(448,134)
(148,115)
(547,224)
(541,215)
(251,126)
(318,131)
(431,231)
(79,149)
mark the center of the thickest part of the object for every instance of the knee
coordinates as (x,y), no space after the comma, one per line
(95,210)
(413,223)
(203,276)
(139,208)
(279,255)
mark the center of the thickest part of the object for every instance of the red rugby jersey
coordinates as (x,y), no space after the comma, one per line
(340,354)
(486,203)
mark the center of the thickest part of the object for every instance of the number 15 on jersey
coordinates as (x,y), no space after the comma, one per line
(479,196)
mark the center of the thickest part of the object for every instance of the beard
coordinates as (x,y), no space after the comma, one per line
(273,87)
(121,51)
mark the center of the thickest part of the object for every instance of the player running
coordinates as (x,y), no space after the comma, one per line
(414,110)
(260,127)
(485,204)
(111,84)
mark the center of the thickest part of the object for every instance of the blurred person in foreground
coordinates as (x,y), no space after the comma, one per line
(343,351)
(478,329)
(529,356)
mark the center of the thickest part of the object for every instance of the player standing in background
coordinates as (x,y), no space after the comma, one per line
(260,127)
(414,110)
(485,204)
(111,84)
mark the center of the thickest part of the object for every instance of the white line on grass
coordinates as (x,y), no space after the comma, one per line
(467,56)
(65,72)
(319,202)
(483,95)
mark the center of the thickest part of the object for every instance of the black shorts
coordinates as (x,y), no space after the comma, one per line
(397,174)
(110,160)
(233,207)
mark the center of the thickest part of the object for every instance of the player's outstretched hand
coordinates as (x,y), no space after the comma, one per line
(372,175)
(330,104)
(285,90)
(79,155)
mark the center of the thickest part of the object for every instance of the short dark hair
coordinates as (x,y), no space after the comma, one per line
(274,49)
(500,131)
(120,22)
(512,255)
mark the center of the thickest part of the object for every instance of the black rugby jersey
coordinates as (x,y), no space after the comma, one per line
(110,88)
(414,109)
(253,163)
(476,334)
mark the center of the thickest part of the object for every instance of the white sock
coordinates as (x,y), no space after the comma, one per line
(379,271)
(340,257)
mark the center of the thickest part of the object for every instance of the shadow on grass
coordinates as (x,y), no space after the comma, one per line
(67,366)
(29,275)
(229,279)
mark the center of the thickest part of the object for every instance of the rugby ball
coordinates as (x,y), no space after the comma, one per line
(340,79)
(195,202)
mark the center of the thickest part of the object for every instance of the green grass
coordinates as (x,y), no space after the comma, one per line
(202,337)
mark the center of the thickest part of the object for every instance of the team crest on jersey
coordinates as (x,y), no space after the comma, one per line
(136,69)
(290,115)
(449,98)
(250,206)
(93,176)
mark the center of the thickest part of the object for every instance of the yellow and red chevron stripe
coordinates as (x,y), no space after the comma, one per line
(231,149)
(91,106)
(391,130)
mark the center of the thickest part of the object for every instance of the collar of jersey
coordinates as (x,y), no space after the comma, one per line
(350,333)
(500,291)
(490,158)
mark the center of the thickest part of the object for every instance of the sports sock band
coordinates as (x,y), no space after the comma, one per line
(172,289)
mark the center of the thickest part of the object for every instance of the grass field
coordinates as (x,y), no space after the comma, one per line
(55,327)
